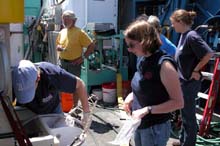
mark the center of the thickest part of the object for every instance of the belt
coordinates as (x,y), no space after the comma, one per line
(69,61)
(65,60)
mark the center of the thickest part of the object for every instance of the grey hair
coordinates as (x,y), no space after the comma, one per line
(154,21)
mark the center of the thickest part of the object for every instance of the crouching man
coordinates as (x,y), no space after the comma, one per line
(37,87)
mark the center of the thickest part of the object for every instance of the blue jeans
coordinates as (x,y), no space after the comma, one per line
(156,135)
(189,125)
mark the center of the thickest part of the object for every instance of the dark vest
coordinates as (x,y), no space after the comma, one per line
(148,88)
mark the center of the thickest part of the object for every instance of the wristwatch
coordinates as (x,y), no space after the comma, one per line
(149,108)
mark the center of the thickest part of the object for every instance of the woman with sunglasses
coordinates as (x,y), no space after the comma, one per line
(155,85)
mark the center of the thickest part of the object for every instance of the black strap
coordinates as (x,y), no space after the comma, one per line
(16,125)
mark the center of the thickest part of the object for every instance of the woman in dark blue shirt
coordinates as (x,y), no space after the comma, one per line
(156,88)
(192,54)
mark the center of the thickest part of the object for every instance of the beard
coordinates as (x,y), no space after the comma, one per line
(68,25)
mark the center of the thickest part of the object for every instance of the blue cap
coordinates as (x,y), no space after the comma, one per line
(24,81)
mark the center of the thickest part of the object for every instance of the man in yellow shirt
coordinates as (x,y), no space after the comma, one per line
(70,43)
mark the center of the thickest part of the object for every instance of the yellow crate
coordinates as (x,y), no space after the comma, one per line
(11,11)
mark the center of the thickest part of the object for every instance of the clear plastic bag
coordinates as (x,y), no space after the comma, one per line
(126,132)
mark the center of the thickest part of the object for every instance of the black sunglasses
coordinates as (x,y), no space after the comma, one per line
(131,45)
